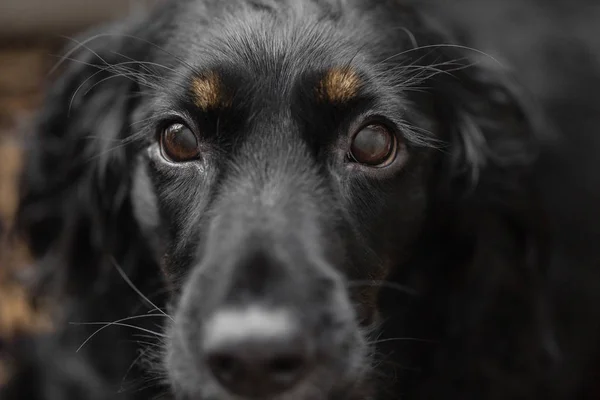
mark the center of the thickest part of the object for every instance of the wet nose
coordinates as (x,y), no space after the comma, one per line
(257,352)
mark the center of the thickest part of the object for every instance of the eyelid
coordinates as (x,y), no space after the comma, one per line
(176,117)
(362,121)
(408,132)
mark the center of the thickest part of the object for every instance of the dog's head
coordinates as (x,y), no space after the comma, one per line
(279,162)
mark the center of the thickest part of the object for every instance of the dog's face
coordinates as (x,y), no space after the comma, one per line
(285,171)
(282,158)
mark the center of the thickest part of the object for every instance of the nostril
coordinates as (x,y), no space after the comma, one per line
(257,368)
(286,369)
(258,363)
(286,365)
(223,365)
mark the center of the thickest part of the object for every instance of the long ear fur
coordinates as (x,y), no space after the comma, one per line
(75,186)
(479,265)
(75,208)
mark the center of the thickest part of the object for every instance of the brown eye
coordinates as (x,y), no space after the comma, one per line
(179,143)
(373,145)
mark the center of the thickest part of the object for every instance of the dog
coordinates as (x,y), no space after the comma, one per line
(315,199)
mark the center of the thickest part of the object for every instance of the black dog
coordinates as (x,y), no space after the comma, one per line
(319,199)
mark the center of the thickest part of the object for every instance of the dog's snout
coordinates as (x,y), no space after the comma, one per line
(257,352)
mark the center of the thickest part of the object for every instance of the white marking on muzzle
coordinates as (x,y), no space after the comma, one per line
(252,322)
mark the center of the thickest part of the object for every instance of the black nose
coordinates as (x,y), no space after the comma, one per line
(260,365)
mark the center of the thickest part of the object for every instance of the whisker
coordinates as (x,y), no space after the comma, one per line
(105,139)
(74,95)
(126,278)
(116,323)
(147,64)
(107,151)
(421,73)
(349,63)
(121,70)
(140,80)
(158,341)
(115,68)
(143,121)
(156,293)
(436,65)
(116,72)
(66,56)
(411,37)
(121,143)
(442,45)
(448,72)
(148,382)
(177,58)
(135,361)
(124,65)
(114,34)
(145,343)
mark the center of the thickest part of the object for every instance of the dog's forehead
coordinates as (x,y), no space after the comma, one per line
(265,58)
(294,61)
(272,48)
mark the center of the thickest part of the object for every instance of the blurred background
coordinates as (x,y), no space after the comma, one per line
(552,45)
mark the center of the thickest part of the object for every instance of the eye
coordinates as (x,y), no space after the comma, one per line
(179,144)
(373,145)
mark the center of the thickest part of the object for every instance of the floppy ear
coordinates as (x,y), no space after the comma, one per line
(480,261)
(494,132)
(75,209)
(75,185)
(487,116)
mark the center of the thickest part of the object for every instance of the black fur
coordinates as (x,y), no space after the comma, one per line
(444,259)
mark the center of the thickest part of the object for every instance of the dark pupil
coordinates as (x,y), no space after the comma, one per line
(372,145)
(180,143)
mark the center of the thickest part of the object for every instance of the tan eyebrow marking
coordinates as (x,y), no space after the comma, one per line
(339,85)
(208,91)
